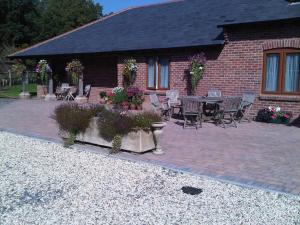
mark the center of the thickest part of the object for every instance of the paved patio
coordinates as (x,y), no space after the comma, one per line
(255,154)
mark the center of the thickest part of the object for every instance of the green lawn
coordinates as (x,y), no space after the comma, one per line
(15,90)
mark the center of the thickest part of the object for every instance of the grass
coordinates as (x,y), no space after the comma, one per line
(15,90)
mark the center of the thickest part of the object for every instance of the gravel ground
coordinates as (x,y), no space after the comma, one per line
(44,183)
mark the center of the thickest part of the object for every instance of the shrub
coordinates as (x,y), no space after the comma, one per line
(119,97)
(103,94)
(74,119)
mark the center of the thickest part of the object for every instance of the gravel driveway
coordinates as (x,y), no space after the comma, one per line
(44,183)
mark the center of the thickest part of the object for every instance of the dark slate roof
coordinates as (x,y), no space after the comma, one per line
(175,24)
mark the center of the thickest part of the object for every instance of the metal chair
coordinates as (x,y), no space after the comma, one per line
(173,101)
(164,107)
(245,107)
(229,107)
(192,112)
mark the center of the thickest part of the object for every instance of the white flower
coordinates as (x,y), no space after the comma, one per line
(278,109)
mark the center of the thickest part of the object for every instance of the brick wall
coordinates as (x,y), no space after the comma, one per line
(234,68)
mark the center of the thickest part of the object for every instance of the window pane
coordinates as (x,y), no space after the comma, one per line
(164,73)
(272,71)
(291,79)
(151,73)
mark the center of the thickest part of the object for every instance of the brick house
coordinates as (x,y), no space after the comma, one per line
(250,45)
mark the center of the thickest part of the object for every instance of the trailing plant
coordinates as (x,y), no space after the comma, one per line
(116,144)
(75,69)
(197,67)
(129,72)
(42,69)
(144,120)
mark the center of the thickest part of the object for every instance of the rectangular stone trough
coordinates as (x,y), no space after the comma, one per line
(139,141)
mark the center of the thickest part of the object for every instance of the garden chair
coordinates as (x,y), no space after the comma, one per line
(163,107)
(87,90)
(245,107)
(229,107)
(172,97)
(192,112)
(72,91)
(209,108)
(214,93)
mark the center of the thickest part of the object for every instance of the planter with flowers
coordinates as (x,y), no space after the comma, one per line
(43,70)
(273,115)
(135,97)
(109,128)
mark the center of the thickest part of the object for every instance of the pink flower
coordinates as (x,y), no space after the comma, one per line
(273,116)
(286,116)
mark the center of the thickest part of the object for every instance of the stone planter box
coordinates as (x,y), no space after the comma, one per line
(138,142)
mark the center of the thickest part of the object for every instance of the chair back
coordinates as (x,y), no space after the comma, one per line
(248,98)
(191,106)
(64,85)
(172,96)
(214,93)
(154,100)
(87,90)
(231,104)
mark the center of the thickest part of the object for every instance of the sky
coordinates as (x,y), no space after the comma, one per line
(117,5)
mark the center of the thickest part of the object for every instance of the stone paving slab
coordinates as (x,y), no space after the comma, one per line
(255,154)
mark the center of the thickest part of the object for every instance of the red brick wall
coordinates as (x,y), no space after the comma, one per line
(234,68)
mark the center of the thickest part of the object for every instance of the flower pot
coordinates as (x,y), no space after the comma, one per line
(102,101)
(132,106)
(139,107)
(158,131)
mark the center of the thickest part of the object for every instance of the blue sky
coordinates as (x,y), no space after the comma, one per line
(117,5)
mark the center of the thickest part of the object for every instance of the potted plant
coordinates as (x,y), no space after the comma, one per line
(197,67)
(103,97)
(42,69)
(125,105)
(119,96)
(138,101)
(129,72)
(273,115)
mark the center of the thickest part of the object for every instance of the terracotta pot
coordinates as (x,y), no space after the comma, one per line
(139,107)
(132,106)
(125,107)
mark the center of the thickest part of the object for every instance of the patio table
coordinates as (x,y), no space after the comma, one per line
(205,100)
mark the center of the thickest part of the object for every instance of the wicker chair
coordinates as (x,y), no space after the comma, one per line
(245,107)
(192,112)
(214,93)
(229,107)
(164,107)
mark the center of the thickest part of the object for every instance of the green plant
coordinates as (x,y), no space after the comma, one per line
(144,120)
(129,72)
(119,97)
(138,99)
(116,144)
(75,68)
(103,94)
(197,67)
(68,142)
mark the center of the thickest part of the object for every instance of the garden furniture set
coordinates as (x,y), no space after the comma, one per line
(68,93)
(194,110)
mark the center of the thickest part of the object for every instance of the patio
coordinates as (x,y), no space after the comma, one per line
(254,154)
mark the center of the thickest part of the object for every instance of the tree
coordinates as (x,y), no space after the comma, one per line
(18,21)
(59,16)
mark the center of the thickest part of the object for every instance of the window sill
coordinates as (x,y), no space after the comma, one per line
(158,92)
(283,98)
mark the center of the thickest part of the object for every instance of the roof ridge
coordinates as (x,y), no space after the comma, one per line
(89,24)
